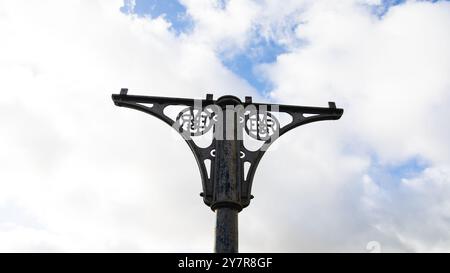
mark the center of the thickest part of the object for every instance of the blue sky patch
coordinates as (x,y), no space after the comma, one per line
(171,10)
(407,169)
(244,63)
(383,8)
(389,175)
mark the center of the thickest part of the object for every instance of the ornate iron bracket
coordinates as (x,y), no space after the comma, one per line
(230,119)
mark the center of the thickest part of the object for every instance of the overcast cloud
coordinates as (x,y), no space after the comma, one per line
(79,174)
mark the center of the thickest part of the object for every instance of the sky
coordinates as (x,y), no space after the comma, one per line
(79,174)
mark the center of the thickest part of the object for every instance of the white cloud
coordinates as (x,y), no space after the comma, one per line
(79,174)
(390,75)
(90,175)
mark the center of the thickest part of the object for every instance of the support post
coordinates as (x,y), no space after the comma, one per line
(226,182)
(227,178)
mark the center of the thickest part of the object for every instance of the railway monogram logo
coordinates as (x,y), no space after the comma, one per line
(258,124)
(262,126)
(195,122)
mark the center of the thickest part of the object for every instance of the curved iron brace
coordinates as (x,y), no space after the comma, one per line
(157,110)
(298,119)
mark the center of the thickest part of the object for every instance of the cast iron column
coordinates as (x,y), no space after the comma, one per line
(227,178)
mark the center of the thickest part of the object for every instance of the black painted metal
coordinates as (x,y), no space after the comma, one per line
(226,189)
(226,230)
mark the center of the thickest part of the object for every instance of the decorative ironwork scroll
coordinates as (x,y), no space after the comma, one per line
(229,118)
